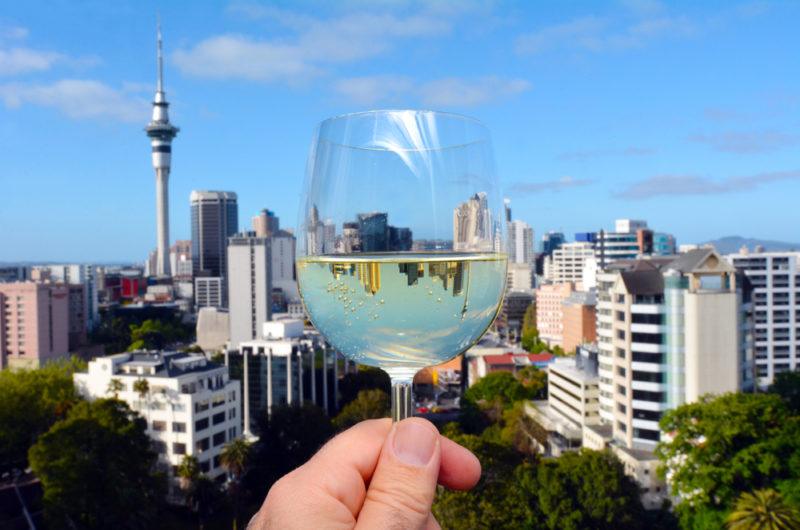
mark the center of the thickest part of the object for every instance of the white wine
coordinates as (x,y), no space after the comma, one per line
(406,310)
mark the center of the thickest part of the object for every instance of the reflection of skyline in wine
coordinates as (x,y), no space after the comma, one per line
(474,229)
(368,274)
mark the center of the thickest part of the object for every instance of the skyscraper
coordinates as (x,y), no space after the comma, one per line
(249,285)
(161,132)
(215,217)
(520,242)
(265,223)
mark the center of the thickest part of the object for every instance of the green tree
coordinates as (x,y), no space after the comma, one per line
(204,498)
(369,404)
(31,401)
(115,386)
(723,446)
(366,378)
(188,471)
(534,380)
(529,319)
(787,386)
(497,501)
(496,392)
(531,341)
(97,468)
(151,335)
(763,510)
(235,457)
(287,439)
(588,489)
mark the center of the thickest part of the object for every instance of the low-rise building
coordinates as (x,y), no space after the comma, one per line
(506,362)
(550,311)
(579,320)
(190,404)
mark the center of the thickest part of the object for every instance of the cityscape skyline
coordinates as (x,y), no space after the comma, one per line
(711,143)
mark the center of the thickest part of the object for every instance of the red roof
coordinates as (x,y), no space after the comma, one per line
(517,358)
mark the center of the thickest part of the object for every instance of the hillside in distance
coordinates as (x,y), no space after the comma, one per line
(732,244)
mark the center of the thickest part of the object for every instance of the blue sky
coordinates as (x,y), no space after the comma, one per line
(685,114)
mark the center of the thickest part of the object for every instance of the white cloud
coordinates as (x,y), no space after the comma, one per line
(563,183)
(13,32)
(747,142)
(317,43)
(597,34)
(15,61)
(678,185)
(444,92)
(78,98)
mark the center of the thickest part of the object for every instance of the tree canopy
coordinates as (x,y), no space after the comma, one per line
(720,447)
(369,404)
(31,401)
(97,468)
(787,386)
(366,378)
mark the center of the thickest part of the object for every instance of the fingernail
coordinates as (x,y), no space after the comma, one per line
(414,443)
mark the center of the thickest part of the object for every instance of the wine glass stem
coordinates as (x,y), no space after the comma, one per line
(402,404)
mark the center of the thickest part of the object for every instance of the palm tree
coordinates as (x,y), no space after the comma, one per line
(188,472)
(234,458)
(115,386)
(763,510)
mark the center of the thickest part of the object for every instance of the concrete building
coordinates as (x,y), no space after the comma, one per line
(550,311)
(34,324)
(279,369)
(77,316)
(213,328)
(191,406)
(14,273)
(670,329)
(249,285)
(519,277)
(161,133)
(632,239)
(775,280)
(512,313)
(215,218)
(572,402)
(85,275)
(282,272)
(551,241)
(209,292)
(180,259)
(579,319)
(567,262)
(472,225)
(520,243)
(265,223)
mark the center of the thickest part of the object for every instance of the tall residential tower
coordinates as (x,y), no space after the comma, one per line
(161,132)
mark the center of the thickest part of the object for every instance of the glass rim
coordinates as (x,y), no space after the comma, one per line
(454,116)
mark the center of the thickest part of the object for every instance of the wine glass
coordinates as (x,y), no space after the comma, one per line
(401,260)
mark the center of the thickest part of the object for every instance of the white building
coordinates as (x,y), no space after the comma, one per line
(775,279)
(669,329)
(279,369)
(208,292)
(519,277)
(567,262)
(191,406)
(282,269)
(520,243)
(249,285)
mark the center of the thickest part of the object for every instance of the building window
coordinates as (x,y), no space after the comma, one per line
(620,353)
(231,433)
(622,408)
(205,466)
(201,445)
(201,406)
(159,447)
(620,316)
(200,425)
(621,371)
(621,334)
(219,439)
(622,427)
(620,298)
(231,413)
(622,390)
(178,426)
(179,448)
(159,426)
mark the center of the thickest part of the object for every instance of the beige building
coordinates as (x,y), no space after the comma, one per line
(550,311)
(519,277)
(34,324)
(670,329)
(567,262)
(580,325)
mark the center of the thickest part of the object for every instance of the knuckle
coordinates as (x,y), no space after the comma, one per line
(404,501)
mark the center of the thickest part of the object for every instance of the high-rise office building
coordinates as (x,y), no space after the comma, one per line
(282,270)
(249,285)
(775,280)
(551,241)
(180,259)
(520,242)
(550,311)
(161,132)
(670,329)
(265,223)
(215,218)
(34,324)
(472,225)
(630,240)
(85,275)
(566,263)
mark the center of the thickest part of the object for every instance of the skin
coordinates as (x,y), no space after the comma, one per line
(374,475)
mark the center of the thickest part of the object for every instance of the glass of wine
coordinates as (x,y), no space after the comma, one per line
(401,259)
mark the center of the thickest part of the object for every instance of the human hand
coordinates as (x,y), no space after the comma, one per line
(373,475)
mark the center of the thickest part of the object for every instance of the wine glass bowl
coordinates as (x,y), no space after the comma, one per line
(401,256)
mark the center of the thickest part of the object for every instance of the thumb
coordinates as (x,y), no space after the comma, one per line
(403,485)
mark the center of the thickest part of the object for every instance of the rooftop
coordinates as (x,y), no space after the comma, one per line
(166,364)
(518,359)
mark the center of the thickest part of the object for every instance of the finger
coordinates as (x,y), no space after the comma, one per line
(346,463)
(460,469)
(432,523)
(403,485)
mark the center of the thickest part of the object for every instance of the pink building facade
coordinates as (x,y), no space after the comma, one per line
(550,311)
(34,324)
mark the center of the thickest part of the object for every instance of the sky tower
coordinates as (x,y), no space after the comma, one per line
(161,132)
